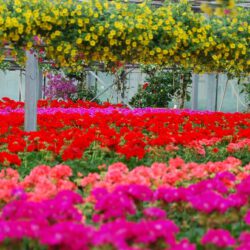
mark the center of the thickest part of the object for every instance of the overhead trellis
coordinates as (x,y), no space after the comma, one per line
(73,33)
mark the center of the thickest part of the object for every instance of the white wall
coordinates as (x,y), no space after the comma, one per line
(10,85)
(233,99)
(135,78)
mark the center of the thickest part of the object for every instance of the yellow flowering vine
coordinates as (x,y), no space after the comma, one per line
(74,33)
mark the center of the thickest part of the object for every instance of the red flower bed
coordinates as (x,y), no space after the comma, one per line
(69,132)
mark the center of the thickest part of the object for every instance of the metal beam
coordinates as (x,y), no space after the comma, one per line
(103,83)
(31,92)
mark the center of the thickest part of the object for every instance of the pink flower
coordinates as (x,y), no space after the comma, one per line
(176,162)
(60,171)
(171,148)
(90,179)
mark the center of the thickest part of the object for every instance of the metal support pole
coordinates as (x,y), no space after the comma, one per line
(20,86)
(195,92)
(31,92)
(211,92)
(223,95)
(40,84)
(216,92)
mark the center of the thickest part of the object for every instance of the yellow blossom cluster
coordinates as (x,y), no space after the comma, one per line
(73,33)
(220,8)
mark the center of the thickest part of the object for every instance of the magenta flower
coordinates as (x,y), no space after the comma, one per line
(59,87)
(112,205)
(227,11)
(244,186)
(184,244)
(209,201)
(154,213)
(123,234)
(218,237)
(225,175)
(247,218)
(137,192)
(20,229)
(19,194)
(244,241)
(60,208)
(237,200)
(67,235)
(170,195)
(148,232)
(213,184)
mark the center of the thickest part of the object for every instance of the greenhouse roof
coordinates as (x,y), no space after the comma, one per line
(196,3)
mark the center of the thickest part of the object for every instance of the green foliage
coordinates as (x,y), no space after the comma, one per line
(246,90)
(85,93)
(4,66)
(95,156)
(162,87)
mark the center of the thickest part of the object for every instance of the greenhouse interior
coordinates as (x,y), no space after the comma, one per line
(124,125)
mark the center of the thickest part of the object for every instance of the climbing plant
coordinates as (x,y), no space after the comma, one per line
(163,86)
(73,33)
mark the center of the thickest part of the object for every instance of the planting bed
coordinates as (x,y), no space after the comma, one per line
(106,177)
